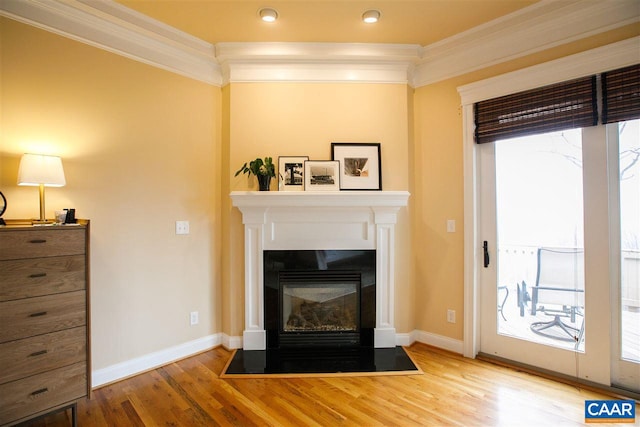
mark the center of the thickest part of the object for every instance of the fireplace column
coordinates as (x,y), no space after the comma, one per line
(254,336)
(385,332)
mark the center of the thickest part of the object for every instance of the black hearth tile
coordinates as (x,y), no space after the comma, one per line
(320,361)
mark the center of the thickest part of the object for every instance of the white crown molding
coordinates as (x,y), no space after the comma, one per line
(357,52)
(594,61)
(115,28)
(541,26)
(317,62)
(311,71)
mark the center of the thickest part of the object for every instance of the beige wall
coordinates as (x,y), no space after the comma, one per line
(293,119)
(141,149)
(438,255)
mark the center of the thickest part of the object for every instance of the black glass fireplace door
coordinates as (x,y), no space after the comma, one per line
(325,307)
(319,308)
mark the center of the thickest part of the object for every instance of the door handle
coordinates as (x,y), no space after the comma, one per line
(485,246)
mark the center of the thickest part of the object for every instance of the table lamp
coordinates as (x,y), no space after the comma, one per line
(42,171)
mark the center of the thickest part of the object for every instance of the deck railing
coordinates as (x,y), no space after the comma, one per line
(520,263)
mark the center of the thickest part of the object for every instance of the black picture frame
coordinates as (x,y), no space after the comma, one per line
(360,165)
(291,172)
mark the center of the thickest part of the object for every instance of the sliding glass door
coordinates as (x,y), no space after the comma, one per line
(533,289)
(540,241)
(552,216)
(625,147)
(561,289)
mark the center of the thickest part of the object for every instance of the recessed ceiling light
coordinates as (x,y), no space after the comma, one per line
(371,16)
(267,14)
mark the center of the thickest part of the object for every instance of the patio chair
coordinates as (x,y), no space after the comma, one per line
(523,297)
(559,292)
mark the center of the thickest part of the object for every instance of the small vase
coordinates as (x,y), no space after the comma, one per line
(263,182)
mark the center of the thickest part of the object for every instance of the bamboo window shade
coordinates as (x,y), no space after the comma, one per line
(621,94)
(566,105)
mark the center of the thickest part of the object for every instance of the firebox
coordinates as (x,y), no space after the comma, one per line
(319,298)
(319,306)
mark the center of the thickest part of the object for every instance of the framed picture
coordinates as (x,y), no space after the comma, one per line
(360,167)
(291,172)
(322,175)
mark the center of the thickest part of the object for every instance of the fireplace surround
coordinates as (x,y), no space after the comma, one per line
(317,298)
(319,221)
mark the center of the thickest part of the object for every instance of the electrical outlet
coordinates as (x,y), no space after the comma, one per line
(451,316)
(182,227)
(194,318)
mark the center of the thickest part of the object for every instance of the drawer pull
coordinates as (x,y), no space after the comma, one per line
(38,241)
(34,275)
(38,353)
(37,392)
(38,314)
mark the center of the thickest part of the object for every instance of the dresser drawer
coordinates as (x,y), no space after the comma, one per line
(34,316)
(36,243)
(22,398)
(30,356)
(33,277)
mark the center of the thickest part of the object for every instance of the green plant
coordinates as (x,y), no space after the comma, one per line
(258,167)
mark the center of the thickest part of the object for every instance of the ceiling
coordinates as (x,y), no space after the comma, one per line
(421,22)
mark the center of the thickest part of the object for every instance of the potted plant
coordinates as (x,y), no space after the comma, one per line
(262,169)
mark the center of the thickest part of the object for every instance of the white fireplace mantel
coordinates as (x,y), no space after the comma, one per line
(336,220)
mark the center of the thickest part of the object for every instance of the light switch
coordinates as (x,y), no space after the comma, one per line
(451,226)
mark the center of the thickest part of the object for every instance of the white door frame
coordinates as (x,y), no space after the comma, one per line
(613,56)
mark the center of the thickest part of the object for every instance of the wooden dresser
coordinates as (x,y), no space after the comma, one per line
(44,319)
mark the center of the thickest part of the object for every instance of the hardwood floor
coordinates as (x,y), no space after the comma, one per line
(453,391)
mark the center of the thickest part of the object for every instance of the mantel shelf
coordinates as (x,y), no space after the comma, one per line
(320,198)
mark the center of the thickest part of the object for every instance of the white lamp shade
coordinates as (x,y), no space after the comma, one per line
(36,169)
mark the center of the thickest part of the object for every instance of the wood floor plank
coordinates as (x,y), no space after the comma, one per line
(264,398)
(317,409)
(201,405)
(340,403)
(452,391)
(110,403)
(151,404)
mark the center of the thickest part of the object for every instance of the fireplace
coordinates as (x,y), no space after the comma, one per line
(319,298)
(317,227)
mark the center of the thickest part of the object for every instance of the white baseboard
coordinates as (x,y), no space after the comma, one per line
(445,343)
(405,340)
(231,342)
(126,369)
(144,363)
